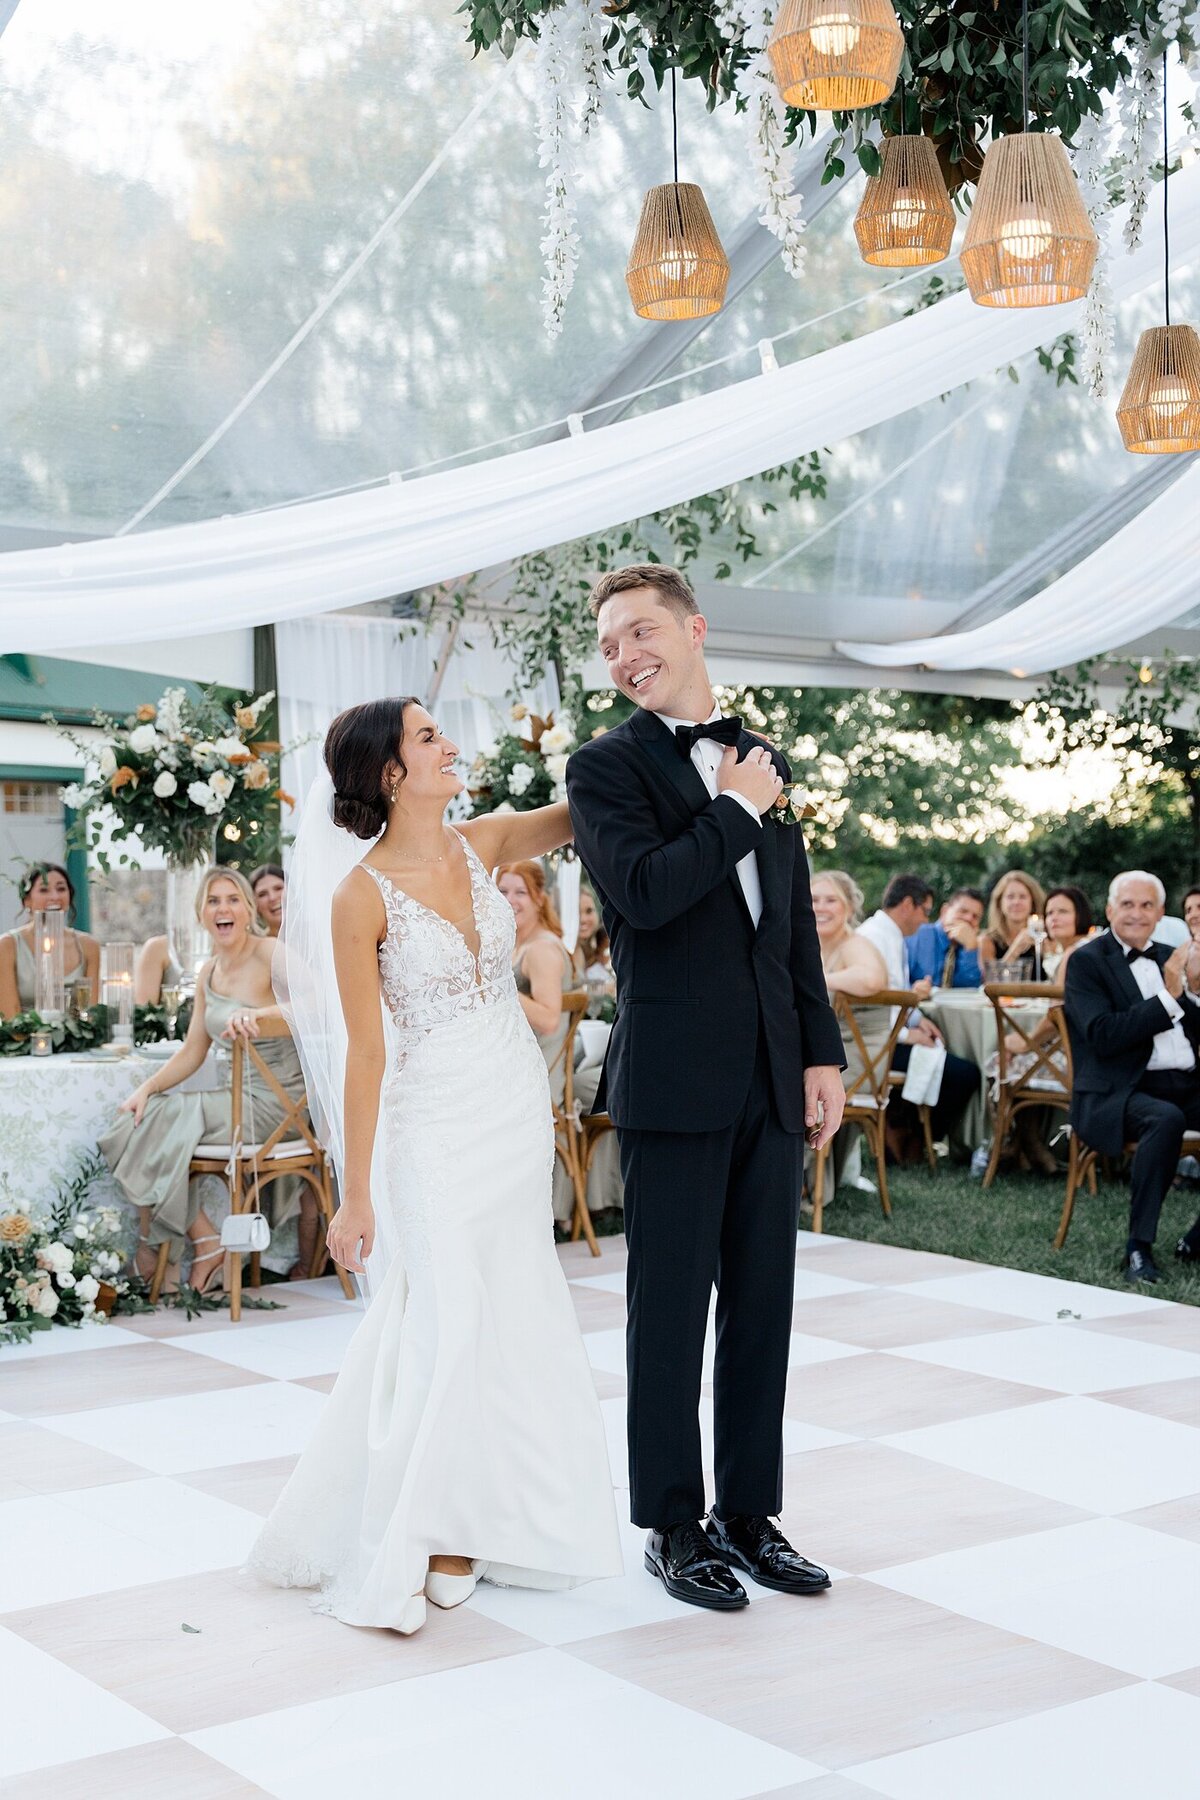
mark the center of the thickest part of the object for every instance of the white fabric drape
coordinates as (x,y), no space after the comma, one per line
(340,552)
(1141,577)
(326,664)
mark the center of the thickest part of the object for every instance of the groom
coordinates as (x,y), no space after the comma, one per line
(725,1059)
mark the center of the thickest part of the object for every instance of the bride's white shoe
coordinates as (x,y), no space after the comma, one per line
(447,1591)
(413,1617)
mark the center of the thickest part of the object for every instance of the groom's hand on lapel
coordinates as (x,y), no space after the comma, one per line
(755,779)
(824,1103)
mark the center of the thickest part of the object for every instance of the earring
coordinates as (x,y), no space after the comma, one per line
(395,791)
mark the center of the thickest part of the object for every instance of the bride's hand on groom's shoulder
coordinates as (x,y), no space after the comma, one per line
(353,1224)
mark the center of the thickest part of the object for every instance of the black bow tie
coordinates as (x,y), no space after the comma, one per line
(725,731)
(1132,955)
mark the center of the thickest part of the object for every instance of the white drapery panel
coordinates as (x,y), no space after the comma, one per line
(326,664)
(1142,577)
(325,554)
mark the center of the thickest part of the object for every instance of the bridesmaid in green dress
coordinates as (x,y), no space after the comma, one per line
(44,887)
(156,1131)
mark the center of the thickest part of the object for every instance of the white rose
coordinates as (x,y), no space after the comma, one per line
(166,785)
(55,1257)
(556,767)
(65,1279)
(87,1287)
(229,746)
(558,738)
(200,793)
(81,1231)
(142,739)
(221,783)
(109,1261)
(46,1303)
(519,779)
(203,753)
(108,762)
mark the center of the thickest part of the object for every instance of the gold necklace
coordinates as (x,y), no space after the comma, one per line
(441,857)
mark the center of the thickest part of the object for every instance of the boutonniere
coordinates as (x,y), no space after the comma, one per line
(791,807)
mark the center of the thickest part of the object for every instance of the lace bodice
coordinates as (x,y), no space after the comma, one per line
(426,968)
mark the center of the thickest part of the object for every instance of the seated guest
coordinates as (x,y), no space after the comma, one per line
(44,887)
(947,952)
(267,885)
(1068,921)
(544,972)
(1015,900)
(156,1132)
(854,967)
(1133,1013)
(1191,913)
(154,970)
(591,951)
(906,905)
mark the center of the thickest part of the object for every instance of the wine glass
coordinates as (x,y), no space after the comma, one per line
(171,998)
(1037,931)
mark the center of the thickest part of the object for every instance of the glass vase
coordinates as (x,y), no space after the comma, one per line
(187,941)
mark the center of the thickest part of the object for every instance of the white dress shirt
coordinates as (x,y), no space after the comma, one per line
(888,939)
(706,758)
(1171,1049)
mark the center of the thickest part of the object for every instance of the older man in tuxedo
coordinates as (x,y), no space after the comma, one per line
(1133,1014)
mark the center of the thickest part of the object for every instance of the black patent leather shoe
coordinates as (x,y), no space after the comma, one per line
(757,1545)
(683,1560)
(1140,1266)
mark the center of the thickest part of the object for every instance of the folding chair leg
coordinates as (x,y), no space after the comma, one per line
(160,1271)
(1074,1176)
(927,1128)
(878,1135)
(583,1220)
(819,1188)
(1003,1122)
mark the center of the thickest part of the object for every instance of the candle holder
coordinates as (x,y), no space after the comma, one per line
(49,994)
(116,974)
(42,1042)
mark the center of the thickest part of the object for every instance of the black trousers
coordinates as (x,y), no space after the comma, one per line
(1164,1105)
(960,1082)
(705,1208)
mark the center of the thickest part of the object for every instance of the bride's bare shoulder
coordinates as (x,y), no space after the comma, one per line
(357,896)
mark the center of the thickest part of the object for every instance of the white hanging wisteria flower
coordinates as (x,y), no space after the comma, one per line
(780,208)
(170,712)
(1092,168)
(560,246)
(1139,101)
(591,62)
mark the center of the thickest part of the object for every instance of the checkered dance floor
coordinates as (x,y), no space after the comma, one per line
(1002,1470)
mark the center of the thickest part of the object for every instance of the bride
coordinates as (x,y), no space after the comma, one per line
(463,1440)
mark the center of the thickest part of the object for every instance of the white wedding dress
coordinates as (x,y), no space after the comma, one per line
(464,1421)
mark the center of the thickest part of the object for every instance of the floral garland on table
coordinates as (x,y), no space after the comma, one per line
(520,773)
(74,1032)
(64,1269)
(169,772)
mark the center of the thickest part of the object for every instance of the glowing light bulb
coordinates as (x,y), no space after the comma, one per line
(833,33)
(908,210)
(678,266)
(1168,396)
(1145,673)
(1026,239)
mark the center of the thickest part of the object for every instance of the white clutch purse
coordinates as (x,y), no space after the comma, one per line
(246,1231)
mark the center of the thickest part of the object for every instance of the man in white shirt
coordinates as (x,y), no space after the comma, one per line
(907,904)
(1133,1013)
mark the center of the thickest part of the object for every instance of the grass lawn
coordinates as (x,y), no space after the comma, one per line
(1013,1222)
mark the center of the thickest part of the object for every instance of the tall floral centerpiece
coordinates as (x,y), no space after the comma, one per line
(527,765)
(170,776)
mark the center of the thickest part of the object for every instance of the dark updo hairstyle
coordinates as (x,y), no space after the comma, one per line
(360,746)
(1079,900)
(37,872)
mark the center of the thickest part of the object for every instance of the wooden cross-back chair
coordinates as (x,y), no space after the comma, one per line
(867,1093)
(247,1166)
(568,1131)
(1044,1082)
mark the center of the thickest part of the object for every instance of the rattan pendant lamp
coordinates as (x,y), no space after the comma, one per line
(1159,408)
(1029,241)
(835,55)
(677,268)
(905,218)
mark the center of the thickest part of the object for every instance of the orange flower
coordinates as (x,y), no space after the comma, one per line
(123,775)
(147,714)
(257,775)
(243,756)
(245,717)
(263,748)
(14,1229)
(286,798)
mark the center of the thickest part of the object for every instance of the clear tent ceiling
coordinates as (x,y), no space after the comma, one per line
(183,186)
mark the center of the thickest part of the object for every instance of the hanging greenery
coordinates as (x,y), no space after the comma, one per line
(962,63)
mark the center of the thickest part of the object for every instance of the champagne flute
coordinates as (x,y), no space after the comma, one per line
(171,998)
(1037,931)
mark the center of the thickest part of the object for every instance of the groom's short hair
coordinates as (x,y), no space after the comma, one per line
(671,585)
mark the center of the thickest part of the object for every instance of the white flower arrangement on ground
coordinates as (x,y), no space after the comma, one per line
(169,773)
(526,767)
(52,1269)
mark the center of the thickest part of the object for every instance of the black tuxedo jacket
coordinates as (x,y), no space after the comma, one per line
(1112,1030)
(695,981)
